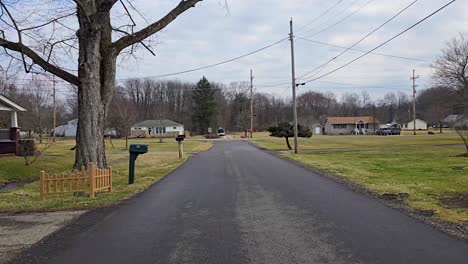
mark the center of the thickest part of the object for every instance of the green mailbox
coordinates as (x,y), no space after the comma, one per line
(135,150)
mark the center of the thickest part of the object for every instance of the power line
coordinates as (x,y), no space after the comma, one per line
(363,51)
(362,39)
(341,20)
(319,16)
(382,44)
(336,15)
(211,65)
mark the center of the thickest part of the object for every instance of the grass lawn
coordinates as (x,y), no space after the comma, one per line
(318,142)
(150,168)
(427,174)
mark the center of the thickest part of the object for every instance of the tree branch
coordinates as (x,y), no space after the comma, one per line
(138,36)
(19,47)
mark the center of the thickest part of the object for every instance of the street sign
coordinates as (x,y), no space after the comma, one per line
(210,130)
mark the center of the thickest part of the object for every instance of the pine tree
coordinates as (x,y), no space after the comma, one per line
(204,105)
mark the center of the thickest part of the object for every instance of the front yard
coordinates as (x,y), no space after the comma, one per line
(425,167)
(150,167)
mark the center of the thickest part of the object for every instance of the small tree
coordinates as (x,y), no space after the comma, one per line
(286,130)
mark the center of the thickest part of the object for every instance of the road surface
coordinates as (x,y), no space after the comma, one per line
(237,204)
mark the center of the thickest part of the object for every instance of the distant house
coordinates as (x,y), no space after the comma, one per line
(317,129)
(420,125)
(452,120)
(9,136)
(359,125)
(157,128)
(69,130)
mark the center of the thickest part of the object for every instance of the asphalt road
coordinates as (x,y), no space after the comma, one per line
(237,204)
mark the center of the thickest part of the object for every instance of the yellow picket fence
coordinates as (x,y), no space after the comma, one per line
(92,180)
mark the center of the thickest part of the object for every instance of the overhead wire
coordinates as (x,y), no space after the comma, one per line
(330,18)
(384,43)
(211,65)
(339,21)
(319,16)
(363,51)
(360,40)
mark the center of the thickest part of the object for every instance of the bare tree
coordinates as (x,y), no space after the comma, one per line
(451,69)
(92,39)
(122,115)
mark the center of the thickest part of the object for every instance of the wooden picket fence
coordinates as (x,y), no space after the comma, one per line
(92,180)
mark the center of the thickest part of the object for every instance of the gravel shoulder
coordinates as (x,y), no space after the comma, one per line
(20,231)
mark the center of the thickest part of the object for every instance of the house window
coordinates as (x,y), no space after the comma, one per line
(367,126)
(164,130)
(339,126)
(157,130)
(174,128)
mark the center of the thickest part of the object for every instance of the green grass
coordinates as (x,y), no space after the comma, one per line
(150,168)
(318,142)
(427,175)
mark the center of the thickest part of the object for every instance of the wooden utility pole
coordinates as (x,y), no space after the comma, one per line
(414,77)
(251,104)
(293,84)
(55,109)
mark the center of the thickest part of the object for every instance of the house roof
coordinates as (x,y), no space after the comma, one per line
(452,118)
(157,123)
(9,105)
(351,119)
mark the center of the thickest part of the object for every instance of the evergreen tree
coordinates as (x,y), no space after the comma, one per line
(204,105)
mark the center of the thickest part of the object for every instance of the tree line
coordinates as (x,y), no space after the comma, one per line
(215,104)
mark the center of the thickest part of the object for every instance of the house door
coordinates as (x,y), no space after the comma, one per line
(317,130)
(359,127)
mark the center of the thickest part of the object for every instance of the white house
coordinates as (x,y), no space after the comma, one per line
(69,130)
(9,136)
(157,128)
(420,125)
(317,129)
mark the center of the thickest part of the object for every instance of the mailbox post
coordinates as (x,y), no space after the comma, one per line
(135,150)
(180,139)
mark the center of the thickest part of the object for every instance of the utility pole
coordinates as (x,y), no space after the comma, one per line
(414,100)
(55,109)
(251,104)
(293,84)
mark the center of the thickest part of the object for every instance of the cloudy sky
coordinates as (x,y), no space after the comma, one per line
(210,33)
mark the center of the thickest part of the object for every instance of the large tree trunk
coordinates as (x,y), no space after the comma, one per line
(96,71)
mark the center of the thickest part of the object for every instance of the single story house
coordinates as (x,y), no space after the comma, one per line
(345,125)
(317,129)
(9,137)
(420,125)
(453,120)
(69,130)
(157,128)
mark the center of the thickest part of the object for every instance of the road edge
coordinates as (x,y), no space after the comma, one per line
(451,229)
(87,217)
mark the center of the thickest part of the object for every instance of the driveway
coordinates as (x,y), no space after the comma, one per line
(237,204)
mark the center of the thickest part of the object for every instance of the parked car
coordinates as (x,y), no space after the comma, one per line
(386,131)
(221,132)
(395,130)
